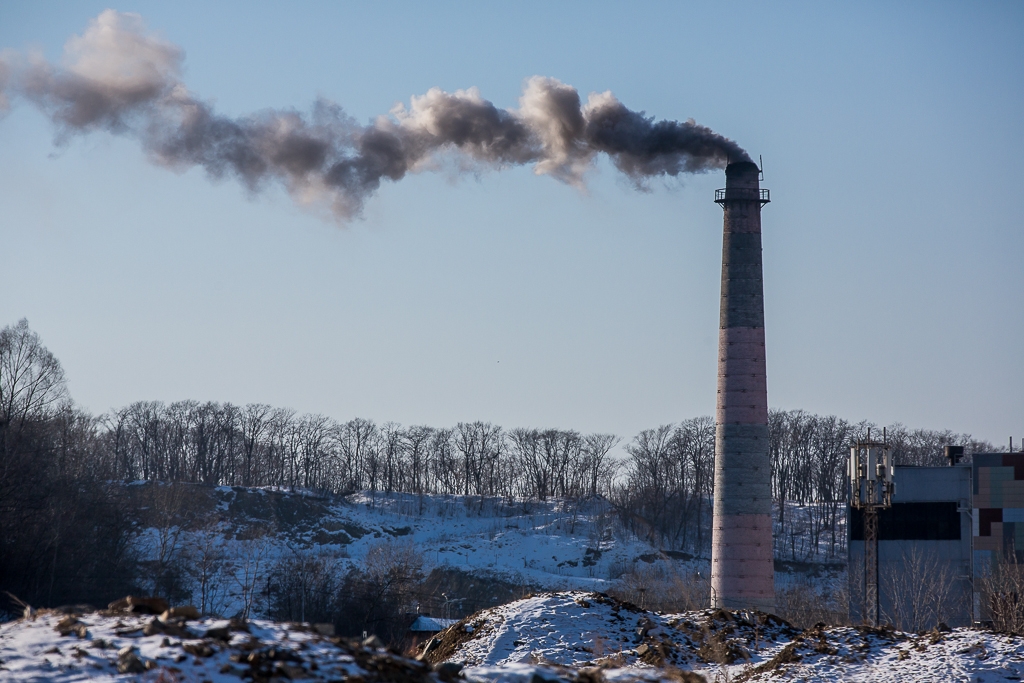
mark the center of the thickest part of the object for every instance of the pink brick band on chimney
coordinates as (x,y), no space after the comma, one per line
(747,580)
(742,571)
(741,537)
(743,562)
(742,385)
(741,414)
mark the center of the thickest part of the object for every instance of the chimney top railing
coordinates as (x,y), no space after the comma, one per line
(732,194)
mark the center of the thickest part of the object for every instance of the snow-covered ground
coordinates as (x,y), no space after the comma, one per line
(534,545)
(578,629)
(551,544)
(116,648)
(570,636)
(555,544)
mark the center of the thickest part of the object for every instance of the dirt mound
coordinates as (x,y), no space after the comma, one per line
(109,647)
(446,644)
(580,629)
(591,632)
(102,645)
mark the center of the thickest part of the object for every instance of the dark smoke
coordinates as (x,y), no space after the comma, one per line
(120,78)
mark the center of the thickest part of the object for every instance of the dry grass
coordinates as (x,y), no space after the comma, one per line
(803,606)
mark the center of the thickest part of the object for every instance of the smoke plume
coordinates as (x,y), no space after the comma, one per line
(121,78)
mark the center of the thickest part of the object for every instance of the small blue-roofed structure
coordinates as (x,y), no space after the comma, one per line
(424,624)
(423,629)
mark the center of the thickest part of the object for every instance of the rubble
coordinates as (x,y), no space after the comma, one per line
(567,637)
(171,627)
(138,605)
(121,644)
(182,612)
(128,662)
(223,630)
(71,625)
(121,641)
(448,671)
(593,637)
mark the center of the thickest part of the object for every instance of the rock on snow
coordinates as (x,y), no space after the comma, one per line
(579,630)
(571,636)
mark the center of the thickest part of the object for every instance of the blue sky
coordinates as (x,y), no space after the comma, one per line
(893,247)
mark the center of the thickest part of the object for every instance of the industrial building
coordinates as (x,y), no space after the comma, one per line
(946,531)
(924,550)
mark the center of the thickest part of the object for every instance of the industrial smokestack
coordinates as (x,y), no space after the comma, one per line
(742,571)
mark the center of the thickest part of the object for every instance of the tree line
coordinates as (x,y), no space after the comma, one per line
(258,445)
(54,456)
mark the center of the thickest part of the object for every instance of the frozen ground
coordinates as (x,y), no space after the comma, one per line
(550,544)
(33,650)
(571,636)
(579,629)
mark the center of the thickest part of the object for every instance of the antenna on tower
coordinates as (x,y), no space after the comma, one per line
(760,168)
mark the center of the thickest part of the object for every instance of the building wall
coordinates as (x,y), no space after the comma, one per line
(924,549)
(998,503)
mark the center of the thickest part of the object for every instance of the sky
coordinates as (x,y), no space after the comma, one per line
(891,141)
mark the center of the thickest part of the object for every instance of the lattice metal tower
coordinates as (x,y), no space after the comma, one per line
(871,489)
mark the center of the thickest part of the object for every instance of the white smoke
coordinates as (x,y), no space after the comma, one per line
(119,77)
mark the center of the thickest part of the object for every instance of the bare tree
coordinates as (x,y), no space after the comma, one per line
(527,451)
(919,591)
(652,486)
(32,380)
(357,441)
(207,563)
(385,586)
(307,587)
(444,462)
(599,467)
(255,423)
(171,517)
(249,570)
(804,603)
(1002,591)
(316,442)
(417,446)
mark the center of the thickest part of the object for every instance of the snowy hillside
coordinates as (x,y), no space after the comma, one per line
(552,543)
(236,535)
(519,545)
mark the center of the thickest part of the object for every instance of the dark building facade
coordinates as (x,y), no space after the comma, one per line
(924,550)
